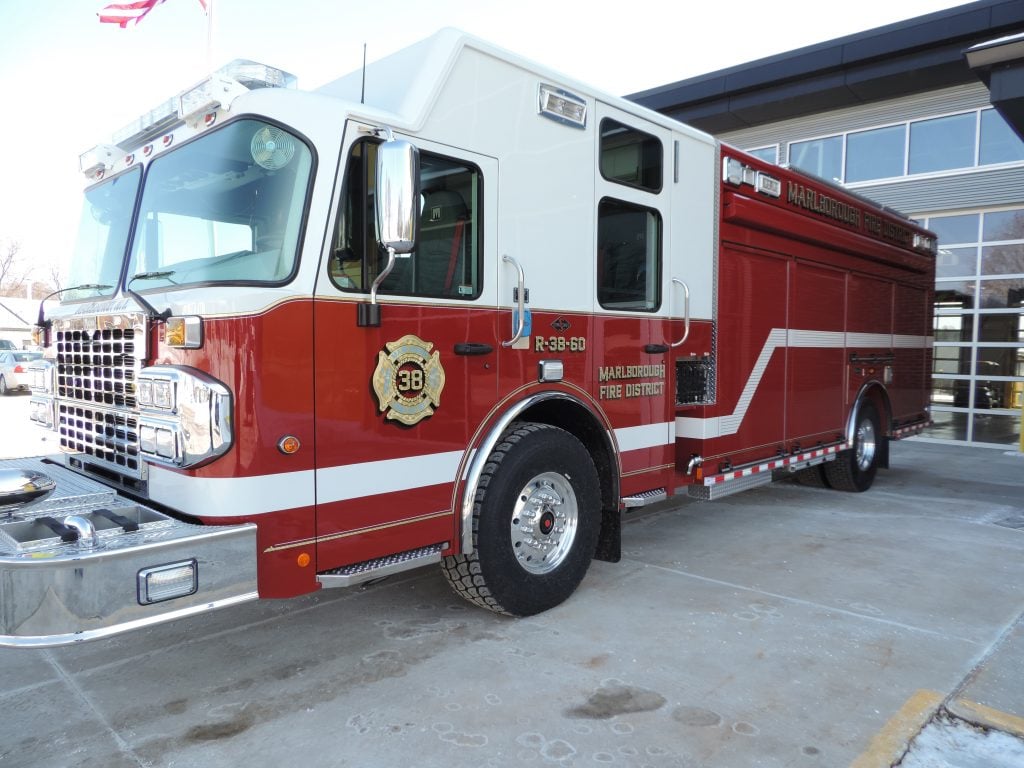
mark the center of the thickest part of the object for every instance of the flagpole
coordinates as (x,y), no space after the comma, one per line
(209,35)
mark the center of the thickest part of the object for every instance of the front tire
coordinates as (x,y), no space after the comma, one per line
(855,469)
(536,519)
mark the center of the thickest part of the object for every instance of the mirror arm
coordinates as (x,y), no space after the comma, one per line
(383,275)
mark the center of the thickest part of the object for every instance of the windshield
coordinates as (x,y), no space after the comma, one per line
(225,208)
(103,230)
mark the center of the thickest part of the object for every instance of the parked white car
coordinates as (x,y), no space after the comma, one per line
(14,372)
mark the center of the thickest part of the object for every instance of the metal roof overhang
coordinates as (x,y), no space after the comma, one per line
(912,56)
(1000,64)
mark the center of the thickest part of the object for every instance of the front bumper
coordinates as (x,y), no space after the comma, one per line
(56,592)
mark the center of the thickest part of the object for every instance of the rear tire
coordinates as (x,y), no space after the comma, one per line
(536,519)
(3,387)
(854,469)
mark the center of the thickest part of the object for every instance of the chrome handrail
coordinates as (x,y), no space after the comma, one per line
(521,301)
(686,310)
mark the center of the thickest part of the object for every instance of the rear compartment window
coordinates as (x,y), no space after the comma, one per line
(630,157)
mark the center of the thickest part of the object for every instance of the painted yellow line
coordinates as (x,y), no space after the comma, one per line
(986,717)
(889,744)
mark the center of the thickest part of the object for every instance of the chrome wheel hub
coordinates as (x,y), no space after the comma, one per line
(867,443)
(544,522)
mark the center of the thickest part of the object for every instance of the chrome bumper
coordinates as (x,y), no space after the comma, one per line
(57,592)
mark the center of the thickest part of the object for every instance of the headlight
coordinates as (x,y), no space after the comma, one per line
(41,373)
(156,391)
(186,416)
(41,410)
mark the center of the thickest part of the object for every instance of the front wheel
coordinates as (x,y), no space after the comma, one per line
(854,469)
(536,519)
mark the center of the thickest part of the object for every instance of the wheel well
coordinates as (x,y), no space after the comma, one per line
(575,419)
(878,396)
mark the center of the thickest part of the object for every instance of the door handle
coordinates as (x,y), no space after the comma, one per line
(472,348)
(686,310)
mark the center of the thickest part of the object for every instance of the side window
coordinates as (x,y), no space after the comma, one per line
(628,256)
(630,157)
(447,260)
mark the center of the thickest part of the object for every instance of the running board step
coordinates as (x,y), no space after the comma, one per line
(728,487)
(369,570)
(645,498)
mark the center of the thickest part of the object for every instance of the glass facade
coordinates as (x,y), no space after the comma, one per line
(978,364)
(972,139)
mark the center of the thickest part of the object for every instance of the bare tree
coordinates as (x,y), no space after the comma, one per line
(13,273)
(56,278)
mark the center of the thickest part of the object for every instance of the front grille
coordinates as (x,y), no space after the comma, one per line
(108,436)
(98,361)
(97,366)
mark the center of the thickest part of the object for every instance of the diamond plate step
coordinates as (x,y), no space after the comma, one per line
(645,498)
(369,570)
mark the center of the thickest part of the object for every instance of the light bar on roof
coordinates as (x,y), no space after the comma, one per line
(213,92)
(227,84)
(219,90)
(100,158)
(254,75)
(150,125)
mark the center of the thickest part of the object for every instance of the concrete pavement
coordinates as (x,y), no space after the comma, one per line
(787,626)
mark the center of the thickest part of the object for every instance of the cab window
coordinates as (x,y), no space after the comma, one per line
(446,262)
(628,256)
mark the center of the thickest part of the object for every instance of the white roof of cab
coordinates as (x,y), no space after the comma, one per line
(407,82)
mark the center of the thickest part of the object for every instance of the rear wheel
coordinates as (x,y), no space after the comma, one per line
(854,469)
(536,519)
(3,387)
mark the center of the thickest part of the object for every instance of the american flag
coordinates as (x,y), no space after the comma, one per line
(123,14)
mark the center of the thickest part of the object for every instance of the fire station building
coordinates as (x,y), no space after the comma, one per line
(925,116)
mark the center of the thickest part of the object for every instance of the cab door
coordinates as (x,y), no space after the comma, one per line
(397,404)
(635,300)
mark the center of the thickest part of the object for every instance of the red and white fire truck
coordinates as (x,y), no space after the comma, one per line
(456,309)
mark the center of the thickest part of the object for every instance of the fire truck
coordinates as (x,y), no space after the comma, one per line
(452,308)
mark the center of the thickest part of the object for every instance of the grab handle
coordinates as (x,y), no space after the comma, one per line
(686,310)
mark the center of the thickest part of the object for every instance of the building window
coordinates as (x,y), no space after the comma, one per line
(876,154)
(821,157)
(769,154)
(978,360)
(933,145)
(942,143)
(999,144)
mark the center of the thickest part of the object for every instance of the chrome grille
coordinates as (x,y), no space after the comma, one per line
(97,365)
(108,436)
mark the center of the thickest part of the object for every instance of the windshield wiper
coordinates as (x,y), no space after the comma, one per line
(150,309)
(42,322)
(151,275)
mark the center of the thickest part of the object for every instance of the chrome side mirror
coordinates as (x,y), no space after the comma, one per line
(397,195)
(20,488)
(397,201)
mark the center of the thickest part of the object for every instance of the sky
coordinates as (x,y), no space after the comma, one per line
(68,82)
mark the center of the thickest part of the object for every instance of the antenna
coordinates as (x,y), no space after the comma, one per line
(362,93)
